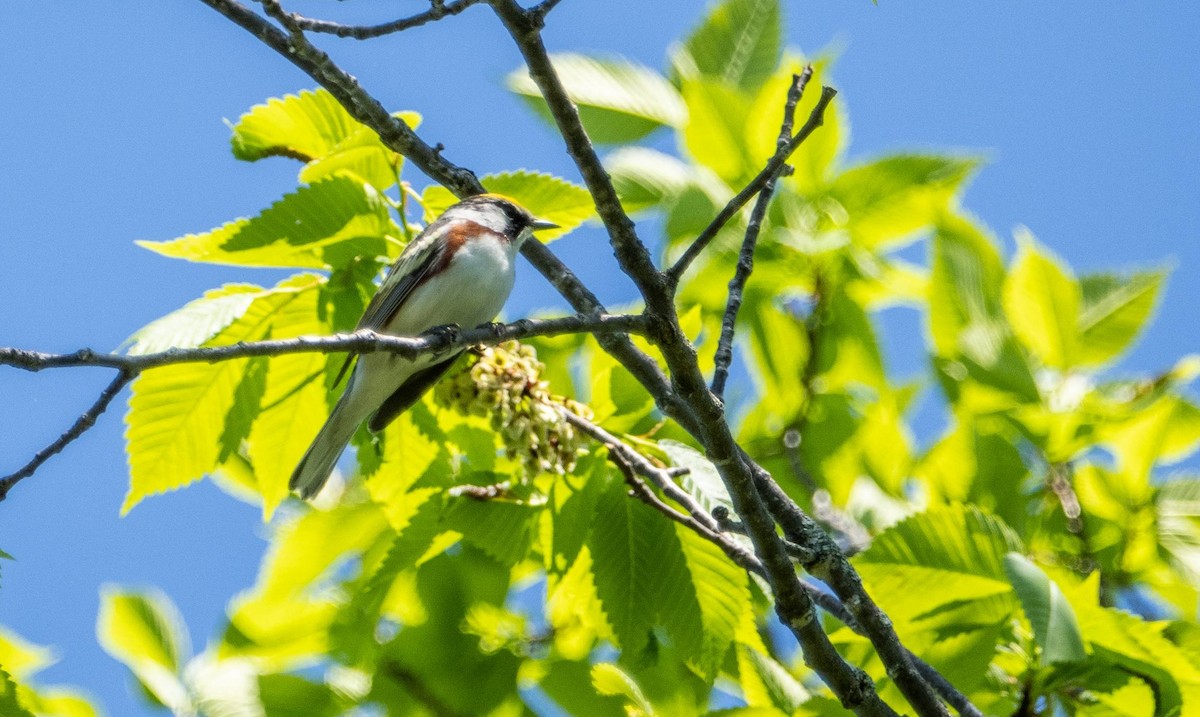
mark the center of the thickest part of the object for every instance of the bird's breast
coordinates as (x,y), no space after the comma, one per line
(469,291)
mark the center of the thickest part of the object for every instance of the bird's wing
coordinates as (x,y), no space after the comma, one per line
(421,255)
(414,263)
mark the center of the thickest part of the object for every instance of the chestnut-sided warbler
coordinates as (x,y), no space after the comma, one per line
(459,271)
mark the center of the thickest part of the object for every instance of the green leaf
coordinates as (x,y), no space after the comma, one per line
(715,134)
(363,155)
(722,595)
(646,178)
(619,100)
(294,401)
(10,703)
(1115,309)
(969,333)
(960,549)
(323,225)
(21,658)
(504,529)
(303,126)
(887,201)
(196,322)
(5,556)
(702,481)
(546,196)
(1178,525)
(1054,625)
(569,683)
(626,547)
(145,632)
(285,695)
(177,413)
(1166,431)
(1042,301)
(739,42)
(608,679)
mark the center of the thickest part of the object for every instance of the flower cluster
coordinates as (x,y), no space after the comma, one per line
(504,383)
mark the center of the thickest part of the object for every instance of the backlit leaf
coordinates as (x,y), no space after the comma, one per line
(1054,625)
(145,631)
(619,100)
(303,126)
(1115,309)
(177,413)
(738,42)
(1042,301)
(319,226)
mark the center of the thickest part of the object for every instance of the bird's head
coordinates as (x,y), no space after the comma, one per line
(501,214)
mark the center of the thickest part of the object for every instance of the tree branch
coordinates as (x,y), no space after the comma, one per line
(438,341)
(724,353)
(437,11)
(772,169)
(77,429)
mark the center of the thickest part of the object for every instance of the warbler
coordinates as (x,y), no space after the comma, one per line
(458,271)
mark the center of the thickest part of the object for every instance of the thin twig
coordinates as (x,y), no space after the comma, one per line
(815,119)
(737,285)
(77,429)
(437,11)
(539,12)
(436,341)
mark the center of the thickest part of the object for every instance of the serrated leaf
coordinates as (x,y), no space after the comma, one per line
(715,134)
(625,548)
(503,529)
(608,679)
(1054,625)
(294,402)
(546,196)
(177,413)
(363,155)
(646,178)
(10,703)
(966,321)
(196,322)
(619,100)
(702,481)
(145,632)
(1115,309)
(319,226)
(739,43)
(960,549)
(302,126)
(1042,301)
(887,201)
(722,596)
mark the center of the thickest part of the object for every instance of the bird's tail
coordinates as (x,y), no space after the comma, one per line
(314,468)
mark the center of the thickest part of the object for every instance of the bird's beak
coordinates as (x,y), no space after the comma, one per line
(540,224)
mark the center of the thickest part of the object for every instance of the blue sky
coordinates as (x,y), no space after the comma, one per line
(112,131)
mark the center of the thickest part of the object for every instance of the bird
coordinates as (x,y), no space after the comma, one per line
(458,271)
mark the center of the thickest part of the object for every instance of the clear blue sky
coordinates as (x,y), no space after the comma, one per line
(112,131)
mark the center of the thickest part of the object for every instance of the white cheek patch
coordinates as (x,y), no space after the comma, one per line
(489,217)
